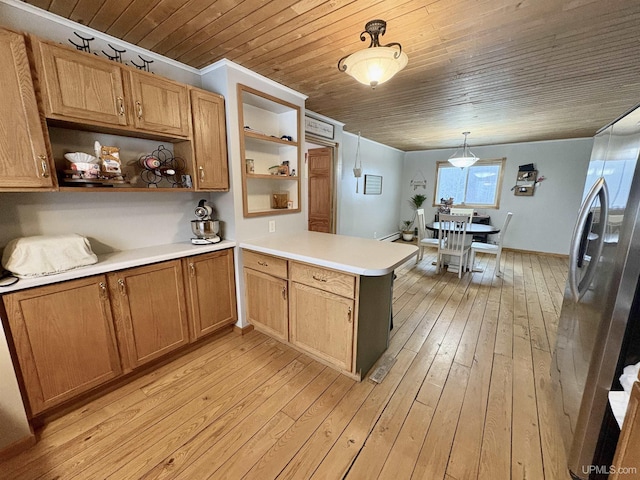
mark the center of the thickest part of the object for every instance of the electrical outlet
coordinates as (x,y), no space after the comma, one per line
(272,226)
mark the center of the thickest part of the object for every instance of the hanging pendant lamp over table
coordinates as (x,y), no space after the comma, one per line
(377,63)
(357,168)
(464,159)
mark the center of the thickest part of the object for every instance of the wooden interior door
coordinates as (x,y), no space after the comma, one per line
(320,162)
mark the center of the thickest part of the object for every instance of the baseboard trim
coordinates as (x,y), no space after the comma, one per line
(533,252)
(242,330)
(17,447)
(390,238)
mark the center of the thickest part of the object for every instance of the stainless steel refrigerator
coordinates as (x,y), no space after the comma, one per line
(600,309)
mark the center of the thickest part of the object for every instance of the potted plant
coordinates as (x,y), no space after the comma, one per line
(407,231)
(417,200)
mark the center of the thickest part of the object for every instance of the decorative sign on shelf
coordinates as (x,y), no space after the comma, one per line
(318,127)
(372,185)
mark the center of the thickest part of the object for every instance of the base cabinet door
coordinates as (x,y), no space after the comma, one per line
(211,292)
(150,311)
(23,152)
(322,324)
(64,339)
(266,299)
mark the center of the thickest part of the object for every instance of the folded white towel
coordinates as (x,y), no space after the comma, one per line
(47,254)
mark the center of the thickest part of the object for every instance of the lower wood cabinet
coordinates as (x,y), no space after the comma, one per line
(64,339)
(211,292)
(321,323)
(150,311)
(267,307)
(74,336)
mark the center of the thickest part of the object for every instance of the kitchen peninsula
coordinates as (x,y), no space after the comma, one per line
(327,295)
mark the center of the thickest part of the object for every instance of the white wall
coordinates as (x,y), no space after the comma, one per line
(541,223)
(369,216)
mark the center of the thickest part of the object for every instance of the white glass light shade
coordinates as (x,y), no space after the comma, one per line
(376,65)
(463,162)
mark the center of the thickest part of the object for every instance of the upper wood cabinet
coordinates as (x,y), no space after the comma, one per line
(211,167)
(211,292)
(24,153)
(64,339)
(79,86)
(82,88)
(158,105)
(149,306)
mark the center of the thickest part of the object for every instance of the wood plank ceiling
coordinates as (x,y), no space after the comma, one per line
(506,70)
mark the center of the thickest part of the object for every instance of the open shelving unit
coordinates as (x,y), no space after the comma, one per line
(263,122)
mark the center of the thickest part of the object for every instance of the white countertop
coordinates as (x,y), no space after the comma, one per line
(113,261)
(356,255)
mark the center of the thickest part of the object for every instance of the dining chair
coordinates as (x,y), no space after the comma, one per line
(491,248)
(423,240)
(452,240)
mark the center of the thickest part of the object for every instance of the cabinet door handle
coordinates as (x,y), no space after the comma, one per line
(284,292)
(201,169)
(192,269)
(44,166)
(103,290)
(123,287)
(318,278)
(139,109)
(349,315)
(120,102)
(264,264)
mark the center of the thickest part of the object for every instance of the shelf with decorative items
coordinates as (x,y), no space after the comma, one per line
(270,153)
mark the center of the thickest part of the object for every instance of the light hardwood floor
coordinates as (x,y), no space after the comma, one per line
(466,398)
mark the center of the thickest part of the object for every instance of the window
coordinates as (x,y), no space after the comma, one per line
(475,186)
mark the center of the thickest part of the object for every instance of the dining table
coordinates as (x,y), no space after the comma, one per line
(472,228)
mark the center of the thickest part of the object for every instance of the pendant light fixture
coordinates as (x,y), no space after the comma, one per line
(377,63)
(466,158)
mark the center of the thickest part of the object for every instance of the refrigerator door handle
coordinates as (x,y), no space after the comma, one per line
(579,287)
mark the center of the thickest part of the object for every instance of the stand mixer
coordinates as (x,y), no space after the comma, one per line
(205,229)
